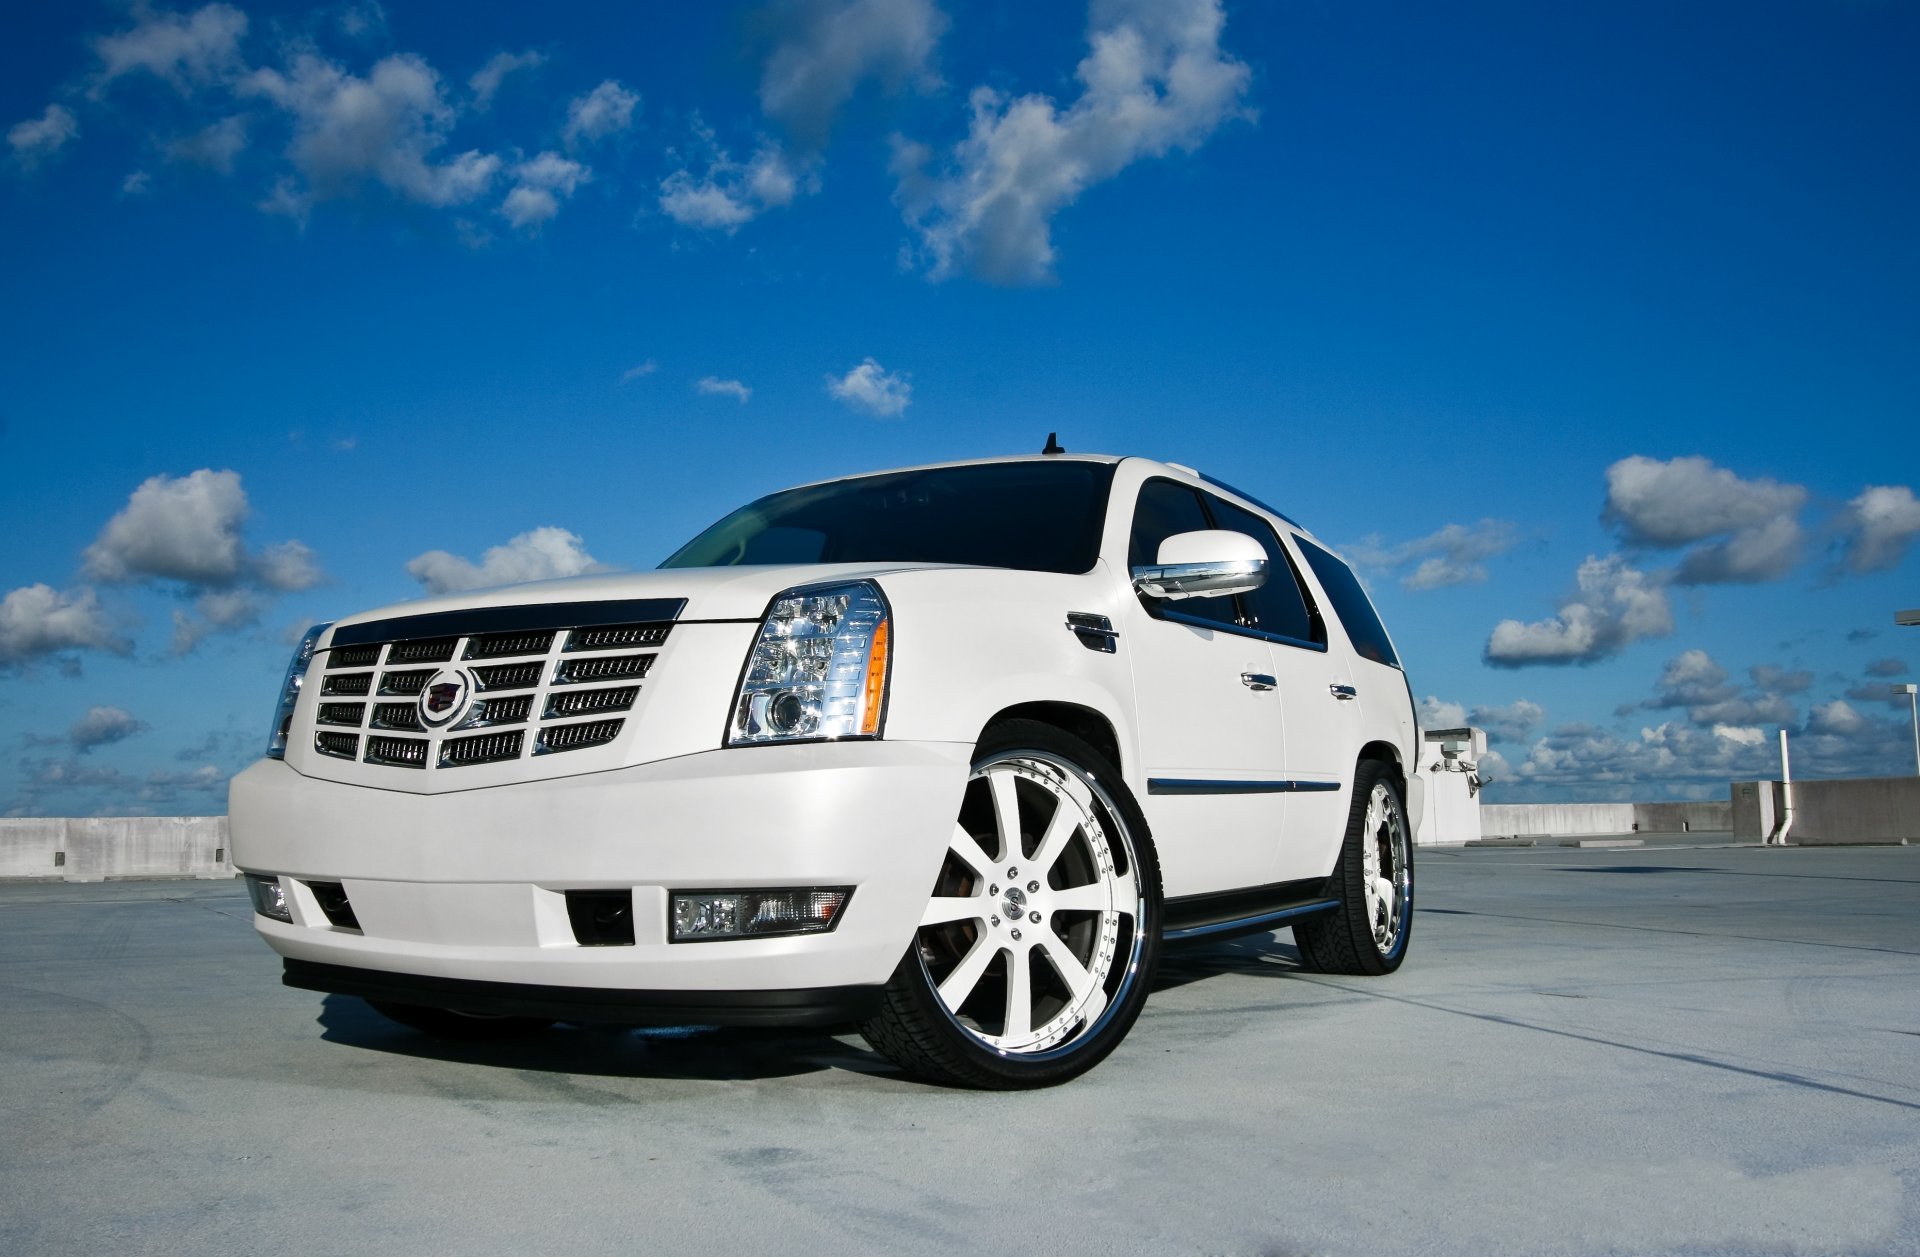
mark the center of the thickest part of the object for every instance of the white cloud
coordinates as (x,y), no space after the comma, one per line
(214,147)
(1437,713)
(1880,525)
(1511,723)
(185,529)
(486,81)
(39,620)
(384,128)
(713,386)
(1615,606)
(540,185)
(288,566)
(186,50)
(541,554)
(872,388)
(1454,555)
(1154,79)
(730,193)
(1693,680)
(102,726)
(1837,718)
(604,111)
(1686,500)
(827,49)
(1745,735)
(37,139)
(637,372)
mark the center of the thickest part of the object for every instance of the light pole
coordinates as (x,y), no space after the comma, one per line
(1912,692)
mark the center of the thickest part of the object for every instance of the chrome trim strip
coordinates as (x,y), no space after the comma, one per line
(1202,785)
(1237,630)
(1245,925)
(478,620)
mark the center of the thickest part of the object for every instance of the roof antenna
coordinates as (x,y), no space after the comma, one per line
(1053,444)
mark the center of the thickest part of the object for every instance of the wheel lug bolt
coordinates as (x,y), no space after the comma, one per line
(1013,874)
(994,920)
(1033,888)
(992,890)
(1034,917)
(1016,936)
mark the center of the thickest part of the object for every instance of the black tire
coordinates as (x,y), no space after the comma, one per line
(445,1023)
(1368,933)
(1084,943)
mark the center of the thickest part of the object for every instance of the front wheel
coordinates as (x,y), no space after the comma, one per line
(1037,945)
(1373,879)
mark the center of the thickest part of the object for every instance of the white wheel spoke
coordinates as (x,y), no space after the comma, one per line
(941,910)
(966,974)
(1383,893)
(1067,965)
(1060,830)
(1019,996)
(1090,898)
(1006,814)
(969,850)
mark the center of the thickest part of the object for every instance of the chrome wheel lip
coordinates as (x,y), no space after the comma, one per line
(1386,884)
(1069,1029)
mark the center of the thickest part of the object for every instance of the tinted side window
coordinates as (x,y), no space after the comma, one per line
(1280,605)
(1350,604)
(1166,508)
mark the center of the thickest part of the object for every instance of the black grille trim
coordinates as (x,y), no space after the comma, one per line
(602,668)
(617,636)
(576,737)
(590,702)
(509,676)
(351,684)
(338,745)
(507,645)
(404,684)
(397,752)
(348,714)
(481,620)
(486,748)
(498,711)
(437,650)
(396,716)
(353,657)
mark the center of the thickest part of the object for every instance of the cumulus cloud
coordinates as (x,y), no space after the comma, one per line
(604,111)
(1694,681)
(214,147)
(1614,606)
(1880,526)
(1454,555)
(730,194)
(38,620)
(1887,668)
(384,129)
(213,611)
(1438,713)
(185,50)
(486,81)
(1752,526)
(102,726)
(540,185)
(37,139)
(872,388)
(827,48)
(1154,79)
(541,554)
(185,529)
(713,386)
(1511,723)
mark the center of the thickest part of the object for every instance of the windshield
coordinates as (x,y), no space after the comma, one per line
(1041,517)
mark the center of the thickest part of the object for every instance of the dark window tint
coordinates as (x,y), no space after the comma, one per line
(1279,605)
(1166,508)
(1041,517)
(1350,603)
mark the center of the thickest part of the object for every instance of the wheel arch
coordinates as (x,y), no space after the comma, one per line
(1086,723)
(1386,753)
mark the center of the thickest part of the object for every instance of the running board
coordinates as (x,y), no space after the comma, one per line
(1192,918)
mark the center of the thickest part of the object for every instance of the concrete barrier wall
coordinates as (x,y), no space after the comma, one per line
(92,849)
(1574,819)
(1860,810)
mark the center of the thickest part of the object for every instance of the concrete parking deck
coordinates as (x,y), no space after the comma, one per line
(1668,1049)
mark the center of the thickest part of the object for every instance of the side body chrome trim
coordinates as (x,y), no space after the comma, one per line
(1201,785)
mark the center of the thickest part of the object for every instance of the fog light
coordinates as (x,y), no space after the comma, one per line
(699,916)
(269,900)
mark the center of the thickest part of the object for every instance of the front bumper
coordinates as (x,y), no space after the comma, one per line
(468,888)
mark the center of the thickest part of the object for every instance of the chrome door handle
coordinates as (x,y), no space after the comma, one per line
(1345,693)
(1257,681)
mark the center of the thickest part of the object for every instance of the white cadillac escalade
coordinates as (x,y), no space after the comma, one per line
(949,752)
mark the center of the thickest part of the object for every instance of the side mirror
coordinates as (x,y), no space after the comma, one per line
(1204,564)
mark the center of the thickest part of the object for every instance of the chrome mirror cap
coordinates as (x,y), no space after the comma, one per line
(1208,563)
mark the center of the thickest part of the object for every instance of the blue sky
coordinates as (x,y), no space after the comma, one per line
(1590,334)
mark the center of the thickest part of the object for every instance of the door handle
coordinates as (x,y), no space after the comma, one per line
(1257,681)
(1345,693)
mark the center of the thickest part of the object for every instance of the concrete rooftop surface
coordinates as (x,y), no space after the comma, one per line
(1668,1049)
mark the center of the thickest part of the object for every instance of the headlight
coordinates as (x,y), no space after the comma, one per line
(290,691)
(818,669)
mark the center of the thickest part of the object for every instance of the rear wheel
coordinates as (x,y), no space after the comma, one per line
(1034,953)
(445,1023)
(1369,931)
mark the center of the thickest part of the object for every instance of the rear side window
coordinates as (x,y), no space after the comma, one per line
(1350,603)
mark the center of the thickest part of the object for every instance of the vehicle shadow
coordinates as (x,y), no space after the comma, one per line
(1252,955)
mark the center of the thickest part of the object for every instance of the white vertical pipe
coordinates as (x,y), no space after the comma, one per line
(1785,827)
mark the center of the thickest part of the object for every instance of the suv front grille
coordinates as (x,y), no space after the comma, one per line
(557,681)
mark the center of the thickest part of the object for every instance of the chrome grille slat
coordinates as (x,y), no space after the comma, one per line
(404,683)
(398,752)
(338,745)
(508,645)
(349,714)
(351,684)
(617,636)
(510,676)
(590,702)
(497,711)
(485,748)
(575,737)
(601,668)
(353,657)
(433,650)
(396,716)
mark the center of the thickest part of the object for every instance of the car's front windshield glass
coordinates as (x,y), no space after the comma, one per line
(1038,516)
